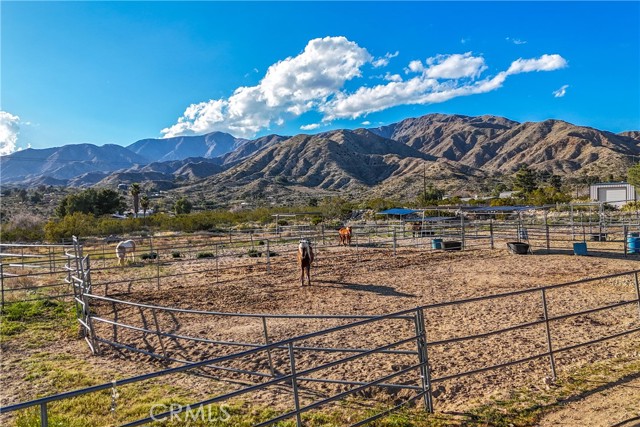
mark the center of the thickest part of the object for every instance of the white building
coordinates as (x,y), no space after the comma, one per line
(613,193)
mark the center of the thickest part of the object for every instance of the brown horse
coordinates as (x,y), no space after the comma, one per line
(345,236)
(305,258)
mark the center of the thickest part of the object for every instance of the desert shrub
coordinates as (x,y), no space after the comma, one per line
(176,254)
(24,227)
(200,255)
(316,220)
(631,207)
(254,253)
(149,255)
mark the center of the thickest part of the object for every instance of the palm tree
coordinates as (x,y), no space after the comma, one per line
(144,203)
(135,193)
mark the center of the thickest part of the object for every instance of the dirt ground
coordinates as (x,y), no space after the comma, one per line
(375,282)
(615,404)
(367,282)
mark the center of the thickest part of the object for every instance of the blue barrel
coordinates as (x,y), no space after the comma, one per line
(436,244)
(633,243)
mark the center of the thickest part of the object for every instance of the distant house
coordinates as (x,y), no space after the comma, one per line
(613,193)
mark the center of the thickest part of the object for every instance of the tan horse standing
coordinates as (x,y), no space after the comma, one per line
(345,236)
(305,258)
(123,248)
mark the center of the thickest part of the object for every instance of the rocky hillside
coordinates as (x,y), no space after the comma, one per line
(457,152)
(208,146)
(67,162)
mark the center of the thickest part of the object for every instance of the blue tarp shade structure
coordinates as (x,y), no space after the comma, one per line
(397,211)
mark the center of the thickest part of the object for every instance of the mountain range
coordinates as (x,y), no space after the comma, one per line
(454,150)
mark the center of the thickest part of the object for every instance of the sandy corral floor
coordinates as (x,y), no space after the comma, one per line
(370,282)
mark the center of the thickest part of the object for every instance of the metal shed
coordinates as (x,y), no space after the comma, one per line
(613,193)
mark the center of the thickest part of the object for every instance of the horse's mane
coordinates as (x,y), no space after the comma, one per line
(304,247)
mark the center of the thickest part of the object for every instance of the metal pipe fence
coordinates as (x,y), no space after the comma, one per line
(27,279)
(284,363)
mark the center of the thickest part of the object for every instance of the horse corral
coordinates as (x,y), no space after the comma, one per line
(191,308)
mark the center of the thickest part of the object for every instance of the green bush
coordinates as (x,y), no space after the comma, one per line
(176,254)
(149,255)
(254,253)
(204,255)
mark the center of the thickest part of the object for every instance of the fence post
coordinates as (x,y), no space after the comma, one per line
(548,330)
(2,286)
(624,239)
(573,233)
(637,291)
(44,419)
(267,342)
(322,231)
(394,242)
(357,251)
(158,265)
(217,271)
(294,385)
(268,258)
(155,320)
(461,231)
(491,233)
(546,227)
(425,375)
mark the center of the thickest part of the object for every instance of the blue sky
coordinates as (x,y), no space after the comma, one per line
(116,72)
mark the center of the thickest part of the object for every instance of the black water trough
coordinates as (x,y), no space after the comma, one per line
(518,248)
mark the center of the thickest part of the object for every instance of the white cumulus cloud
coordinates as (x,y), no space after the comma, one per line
(455,66)
(291,87)
(384,61)
(315,81)
(463,80)
(9,130)
(544,63)
(366,123)
(393,77)
(414,67)
(560,92)
(515,41)
(311,126)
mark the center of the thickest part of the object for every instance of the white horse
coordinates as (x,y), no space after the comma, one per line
(124,247)
(305,258)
